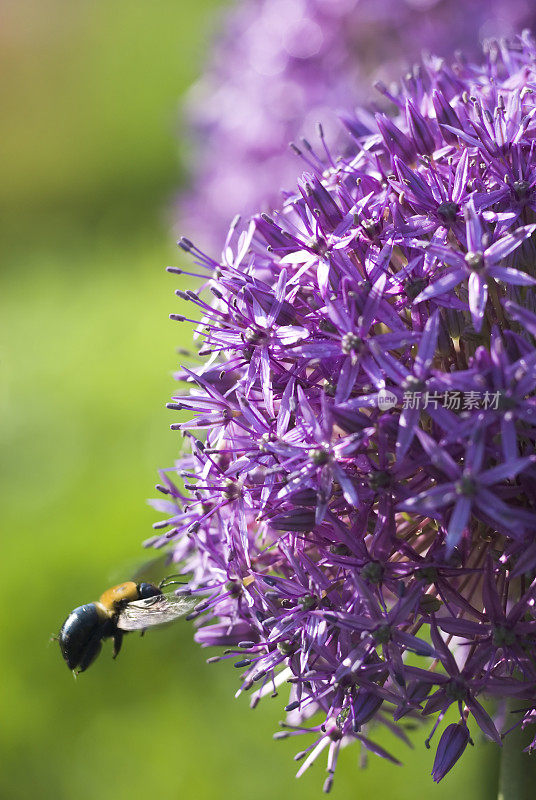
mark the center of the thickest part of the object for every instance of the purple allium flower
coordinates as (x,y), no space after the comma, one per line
(359,518)
(282,66)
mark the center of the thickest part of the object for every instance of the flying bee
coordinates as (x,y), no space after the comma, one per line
(127,607)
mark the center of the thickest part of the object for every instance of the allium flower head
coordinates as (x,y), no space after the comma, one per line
(359,504)
(279,67)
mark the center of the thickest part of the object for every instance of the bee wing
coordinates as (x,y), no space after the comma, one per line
(156,610)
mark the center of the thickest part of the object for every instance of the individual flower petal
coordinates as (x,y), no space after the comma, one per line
(503,247)
(441,286)
(478,297)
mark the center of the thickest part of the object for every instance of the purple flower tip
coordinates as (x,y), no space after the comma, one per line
(451,746)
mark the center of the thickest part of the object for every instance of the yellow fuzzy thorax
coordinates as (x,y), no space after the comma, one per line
(116,597)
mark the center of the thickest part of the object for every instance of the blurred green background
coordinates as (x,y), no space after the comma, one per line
(90,163)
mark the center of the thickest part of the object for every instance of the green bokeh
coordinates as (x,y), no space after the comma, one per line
(86,355)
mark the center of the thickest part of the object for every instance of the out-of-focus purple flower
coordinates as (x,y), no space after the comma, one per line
(358,512)
(280,67)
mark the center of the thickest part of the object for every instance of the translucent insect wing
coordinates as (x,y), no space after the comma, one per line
(156,610)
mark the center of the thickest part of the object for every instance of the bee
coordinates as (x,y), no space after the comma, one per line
(126,607)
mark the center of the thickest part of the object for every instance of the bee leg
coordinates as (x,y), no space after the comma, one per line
(168,582)
(91,652)
(118,641)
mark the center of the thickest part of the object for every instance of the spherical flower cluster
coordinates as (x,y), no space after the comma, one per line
(358,512)
(281,66)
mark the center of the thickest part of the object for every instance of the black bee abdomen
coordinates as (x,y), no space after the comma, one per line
(80,630)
